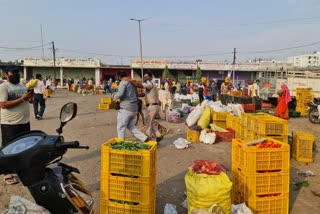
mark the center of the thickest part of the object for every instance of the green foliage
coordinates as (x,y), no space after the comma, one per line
(166,72)
(198,74)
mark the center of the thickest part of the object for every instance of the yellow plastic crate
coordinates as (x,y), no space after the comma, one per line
(48,92)
(247,118)
(236,93)
(108,207)
(230,120)
(104,106)
(220,116)
(282,138)
(253,159)
(193,136)
(303,90)
(106,100)
(302,146)
(100,91)
(139,190)
(142,163)
(260,183)
(302,110)
(250,135)
(267,205)
(270,125)
(221,124)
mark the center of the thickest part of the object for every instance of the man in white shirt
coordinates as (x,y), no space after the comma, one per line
(39,97)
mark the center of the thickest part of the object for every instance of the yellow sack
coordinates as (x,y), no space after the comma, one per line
(31,83)
(205,118)
(204,190)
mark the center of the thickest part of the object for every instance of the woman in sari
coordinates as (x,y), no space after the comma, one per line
(283,101)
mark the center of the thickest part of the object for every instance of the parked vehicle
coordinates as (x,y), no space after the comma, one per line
(55,188)
(314,112)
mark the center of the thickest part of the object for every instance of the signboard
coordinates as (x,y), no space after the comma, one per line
(247,66)
(61,62)
(182,64)
(214,66)
(149,64)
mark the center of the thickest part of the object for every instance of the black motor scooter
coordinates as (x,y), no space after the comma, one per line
(57,189)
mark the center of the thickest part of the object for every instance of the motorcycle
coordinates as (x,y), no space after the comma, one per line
(55,188)
(314,112)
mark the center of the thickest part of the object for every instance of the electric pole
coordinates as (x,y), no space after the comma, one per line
(42,41)
(234,64)
(54,59)
(234,56)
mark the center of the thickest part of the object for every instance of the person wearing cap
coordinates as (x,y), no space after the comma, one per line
(39,98)
(15,112)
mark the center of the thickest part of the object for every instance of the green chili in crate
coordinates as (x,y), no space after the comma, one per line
(132,146)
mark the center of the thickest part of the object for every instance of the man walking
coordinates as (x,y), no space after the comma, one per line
(128,96)
(39,97)
(200,90)
(214,91)
(15,113)
(153,108)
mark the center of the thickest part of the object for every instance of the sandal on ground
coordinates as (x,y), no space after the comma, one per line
(10,180)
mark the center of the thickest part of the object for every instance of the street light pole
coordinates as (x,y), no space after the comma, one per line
(139,21)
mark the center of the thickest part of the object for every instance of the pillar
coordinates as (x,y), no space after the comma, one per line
(25,72)
(132,73)
(97,77)
(61,77)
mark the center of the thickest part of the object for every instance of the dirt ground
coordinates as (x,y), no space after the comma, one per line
(93,127)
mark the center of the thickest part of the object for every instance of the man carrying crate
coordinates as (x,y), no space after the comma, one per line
(128,96)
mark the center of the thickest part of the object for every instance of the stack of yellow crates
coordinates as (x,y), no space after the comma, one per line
(233,122)
(303,96)
(106,103)
(260,177)
(302,146)
(219,118)
(128,180)
(261,125)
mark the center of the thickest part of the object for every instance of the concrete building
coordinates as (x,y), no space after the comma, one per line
(306,60)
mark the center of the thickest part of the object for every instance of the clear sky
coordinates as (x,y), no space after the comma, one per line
(174,28)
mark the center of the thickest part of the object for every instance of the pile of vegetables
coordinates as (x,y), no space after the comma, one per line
(214,127)
(268,144)
(123,202)
(207,167)
(130,146)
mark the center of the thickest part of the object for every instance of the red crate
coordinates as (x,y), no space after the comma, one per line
(249,107)
(267,105)
(224,136)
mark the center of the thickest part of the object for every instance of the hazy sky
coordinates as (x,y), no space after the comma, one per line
(174,28)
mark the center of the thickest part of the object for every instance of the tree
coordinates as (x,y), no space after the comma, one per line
(198,74)
(166,72)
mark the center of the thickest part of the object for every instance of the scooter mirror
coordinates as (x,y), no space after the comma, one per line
(67,113)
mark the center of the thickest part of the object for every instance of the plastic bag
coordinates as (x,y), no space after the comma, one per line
(19,205)
(207,138)
(170,209)
(185,108)
(241,209)
(31,83)
(205,118)
(204,190)
(214,209)
(172,116)
(181,143)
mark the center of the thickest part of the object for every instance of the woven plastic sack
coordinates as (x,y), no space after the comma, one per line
(31,83)
(204,190)
(172,116)
(19,205)
(204,121)
(194,116)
